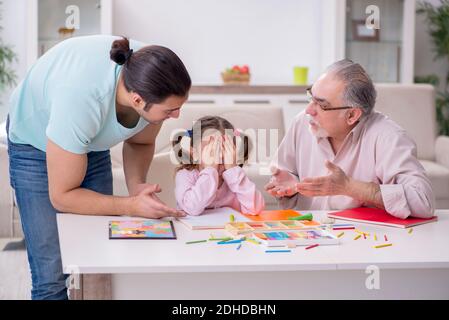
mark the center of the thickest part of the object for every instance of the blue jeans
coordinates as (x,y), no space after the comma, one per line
(28,177)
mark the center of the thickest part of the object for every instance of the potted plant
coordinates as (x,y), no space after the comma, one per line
(438,19)
(7,75)
(7,56)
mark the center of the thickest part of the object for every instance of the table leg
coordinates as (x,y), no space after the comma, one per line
(92,287)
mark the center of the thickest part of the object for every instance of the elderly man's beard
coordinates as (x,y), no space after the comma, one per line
(316,130)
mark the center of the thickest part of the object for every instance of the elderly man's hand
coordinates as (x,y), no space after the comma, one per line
(282,183)
(336,183)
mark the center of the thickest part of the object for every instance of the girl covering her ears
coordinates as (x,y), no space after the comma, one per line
(212,175)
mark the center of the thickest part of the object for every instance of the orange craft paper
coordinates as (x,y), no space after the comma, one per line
(272,215)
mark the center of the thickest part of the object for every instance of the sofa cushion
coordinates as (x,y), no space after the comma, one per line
(162,171)
(413,108)
(257,174)
(439,177)
(266,120)
(244,117)
(116,155)
(3,136)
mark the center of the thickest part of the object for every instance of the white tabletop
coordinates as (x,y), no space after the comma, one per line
(86,248)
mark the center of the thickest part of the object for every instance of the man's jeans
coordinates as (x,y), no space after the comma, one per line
(28,177)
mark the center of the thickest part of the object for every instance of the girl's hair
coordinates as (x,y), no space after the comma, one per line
(200,126)
(153,72)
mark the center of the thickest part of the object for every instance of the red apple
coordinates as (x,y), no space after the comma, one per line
(244,69)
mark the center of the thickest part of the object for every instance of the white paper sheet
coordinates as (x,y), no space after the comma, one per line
(212,219)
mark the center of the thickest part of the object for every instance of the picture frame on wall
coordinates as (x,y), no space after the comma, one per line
(361,33)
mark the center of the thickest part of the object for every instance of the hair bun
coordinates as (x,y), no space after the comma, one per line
(120,51)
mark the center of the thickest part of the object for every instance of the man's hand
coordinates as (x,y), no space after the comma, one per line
(141,186)
(336,183)
(146,204)
(282,183)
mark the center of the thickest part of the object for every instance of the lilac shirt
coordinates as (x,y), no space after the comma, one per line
(196,191)
(376,150)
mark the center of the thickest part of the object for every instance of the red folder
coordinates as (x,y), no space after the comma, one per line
(378,216)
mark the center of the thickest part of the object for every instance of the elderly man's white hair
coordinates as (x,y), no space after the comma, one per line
(359,89)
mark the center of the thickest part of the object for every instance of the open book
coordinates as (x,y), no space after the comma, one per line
(218,218)
(213,219)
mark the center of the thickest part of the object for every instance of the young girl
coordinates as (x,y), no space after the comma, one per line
(214,179)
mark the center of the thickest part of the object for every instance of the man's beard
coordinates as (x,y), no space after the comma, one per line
(152,121)
(316,130)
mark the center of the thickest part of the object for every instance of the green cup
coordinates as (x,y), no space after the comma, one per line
(300,75)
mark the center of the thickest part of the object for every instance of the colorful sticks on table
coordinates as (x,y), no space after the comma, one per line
(196,241)
(253,241)
(361,232)
(221,239)
(230,241)
(308,217)
(383,245)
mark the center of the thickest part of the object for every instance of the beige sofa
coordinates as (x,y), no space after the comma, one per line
(265,119)
(412,106)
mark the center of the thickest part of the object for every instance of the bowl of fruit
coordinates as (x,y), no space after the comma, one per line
(236,75)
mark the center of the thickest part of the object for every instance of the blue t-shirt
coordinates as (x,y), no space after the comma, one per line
(69,97)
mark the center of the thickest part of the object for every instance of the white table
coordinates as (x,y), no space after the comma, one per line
(416,266)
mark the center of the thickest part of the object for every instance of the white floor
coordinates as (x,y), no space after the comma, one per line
(15,278)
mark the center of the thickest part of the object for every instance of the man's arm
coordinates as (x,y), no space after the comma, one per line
(338,183)
(405,188)
(66,195)
(366,192)
(138,152)
(64,186)
(285,176)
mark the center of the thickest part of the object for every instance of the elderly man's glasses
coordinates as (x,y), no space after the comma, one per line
(322,104)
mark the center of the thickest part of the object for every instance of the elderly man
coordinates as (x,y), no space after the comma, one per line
(340,153)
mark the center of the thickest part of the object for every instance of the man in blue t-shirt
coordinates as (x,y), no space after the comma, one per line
(82,97)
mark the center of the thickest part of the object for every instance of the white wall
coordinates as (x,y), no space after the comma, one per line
(13,33)
(52,16)
(271,36)
(424,62)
